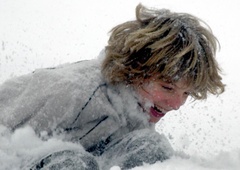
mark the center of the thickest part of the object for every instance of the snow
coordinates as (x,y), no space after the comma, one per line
(23,146)
(37,34)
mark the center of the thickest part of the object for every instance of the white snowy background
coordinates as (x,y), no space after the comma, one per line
(45,33)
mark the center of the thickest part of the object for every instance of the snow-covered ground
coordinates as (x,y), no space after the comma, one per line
(46,33)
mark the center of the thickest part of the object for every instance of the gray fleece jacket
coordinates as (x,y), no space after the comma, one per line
(73,100)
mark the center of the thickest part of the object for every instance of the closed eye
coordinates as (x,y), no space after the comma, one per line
(167,88)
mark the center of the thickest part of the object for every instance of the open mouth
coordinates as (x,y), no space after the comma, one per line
(156,112)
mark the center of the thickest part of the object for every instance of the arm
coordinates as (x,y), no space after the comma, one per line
(22,99)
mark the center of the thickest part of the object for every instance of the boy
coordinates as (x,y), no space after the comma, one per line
(150,67)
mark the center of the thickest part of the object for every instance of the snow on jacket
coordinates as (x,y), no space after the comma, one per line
(73,99)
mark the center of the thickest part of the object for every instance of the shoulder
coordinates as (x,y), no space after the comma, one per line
(79,72)
(72,69)
(61,78)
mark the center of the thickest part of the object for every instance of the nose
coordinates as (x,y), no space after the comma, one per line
(177,101)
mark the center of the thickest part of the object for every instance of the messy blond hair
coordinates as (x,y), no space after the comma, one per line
(170,45)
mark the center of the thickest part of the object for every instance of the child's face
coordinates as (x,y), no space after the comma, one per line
(163,96)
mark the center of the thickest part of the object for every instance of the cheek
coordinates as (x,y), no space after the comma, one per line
(144,94)
(158,95)
(152,91)
(152,94)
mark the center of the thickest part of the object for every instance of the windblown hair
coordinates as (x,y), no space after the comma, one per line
(170,45)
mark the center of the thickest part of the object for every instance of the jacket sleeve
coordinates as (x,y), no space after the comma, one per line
(41,99)
(71,98)
(23,98)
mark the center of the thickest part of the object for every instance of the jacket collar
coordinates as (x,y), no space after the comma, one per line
(125,101)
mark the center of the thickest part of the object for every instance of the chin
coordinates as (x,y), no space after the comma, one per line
(154,120)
